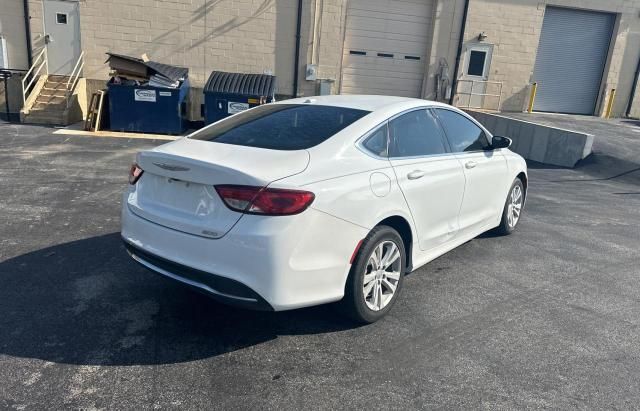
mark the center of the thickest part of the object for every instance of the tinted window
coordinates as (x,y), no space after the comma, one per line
(377,142)
(281,126)
(416,133)
(462,133)
(476,63)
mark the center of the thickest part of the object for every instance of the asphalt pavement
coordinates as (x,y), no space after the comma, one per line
(545,318)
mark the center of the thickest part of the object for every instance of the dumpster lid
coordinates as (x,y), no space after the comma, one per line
(239,83)
(173,73)
(135,65)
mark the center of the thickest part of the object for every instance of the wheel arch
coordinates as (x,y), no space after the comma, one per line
(402,226)
(522,176)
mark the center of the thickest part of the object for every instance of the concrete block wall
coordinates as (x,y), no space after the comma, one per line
(446,25)
(537,142)
(514,27)
(259,36)
(13,31)
(249,36)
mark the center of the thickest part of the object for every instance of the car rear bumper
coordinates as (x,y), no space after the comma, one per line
(273,263)
(223,289)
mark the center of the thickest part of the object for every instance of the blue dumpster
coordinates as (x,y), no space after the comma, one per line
(148,109)
(229,93)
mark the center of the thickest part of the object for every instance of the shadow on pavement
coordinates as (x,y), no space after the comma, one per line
(87,302)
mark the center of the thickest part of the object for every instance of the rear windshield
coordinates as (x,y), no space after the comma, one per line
(281,126)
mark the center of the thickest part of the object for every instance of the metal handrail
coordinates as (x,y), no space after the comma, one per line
(36,62)
(471,93)
(74,77)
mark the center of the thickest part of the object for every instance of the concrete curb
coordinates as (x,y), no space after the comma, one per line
(538,142)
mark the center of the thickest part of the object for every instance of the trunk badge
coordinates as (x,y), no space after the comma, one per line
(171,167)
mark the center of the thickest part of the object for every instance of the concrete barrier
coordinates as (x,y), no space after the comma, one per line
(537,142)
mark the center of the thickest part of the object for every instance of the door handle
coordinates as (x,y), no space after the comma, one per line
(415,174)
(470,164)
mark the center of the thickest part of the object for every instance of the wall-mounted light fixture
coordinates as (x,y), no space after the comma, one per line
(482,36)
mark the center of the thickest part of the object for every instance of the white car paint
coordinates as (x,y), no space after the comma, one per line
(304,259)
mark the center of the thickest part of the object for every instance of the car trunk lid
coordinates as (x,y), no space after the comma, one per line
(177,187)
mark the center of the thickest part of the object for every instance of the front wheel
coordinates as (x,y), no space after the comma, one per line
(512,208)
(376,276)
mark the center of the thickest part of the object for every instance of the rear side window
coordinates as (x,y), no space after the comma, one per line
(416,133)
(282,126)
(462,133)
(377,142)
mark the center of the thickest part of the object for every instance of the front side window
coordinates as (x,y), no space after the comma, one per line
(416,133)
(281,126)
(462,133)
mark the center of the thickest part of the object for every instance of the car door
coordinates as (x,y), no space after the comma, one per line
(485,170)
(430,177)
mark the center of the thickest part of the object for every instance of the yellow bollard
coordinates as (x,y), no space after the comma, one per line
(532,97)
(612,96)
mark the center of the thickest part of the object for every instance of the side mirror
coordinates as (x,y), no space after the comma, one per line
(500,142)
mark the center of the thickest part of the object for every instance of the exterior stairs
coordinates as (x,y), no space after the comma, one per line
(50,103)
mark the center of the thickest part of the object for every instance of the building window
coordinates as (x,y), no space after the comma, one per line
(477,60)
(61,18)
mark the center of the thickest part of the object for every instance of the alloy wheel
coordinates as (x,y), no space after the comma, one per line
(515,206)
(381,276)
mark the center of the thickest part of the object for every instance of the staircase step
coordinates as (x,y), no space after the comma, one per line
(43,98)
(55,86)
(57,78)
(36,116)
(53,93)
(49,106)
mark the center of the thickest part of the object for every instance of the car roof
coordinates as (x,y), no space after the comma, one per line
(362,102)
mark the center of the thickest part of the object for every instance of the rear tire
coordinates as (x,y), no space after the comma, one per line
(512,210)
(376,276)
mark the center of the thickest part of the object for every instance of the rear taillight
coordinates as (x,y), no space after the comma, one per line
(135,172)
(265,201)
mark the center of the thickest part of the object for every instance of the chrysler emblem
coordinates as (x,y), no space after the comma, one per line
(171,167)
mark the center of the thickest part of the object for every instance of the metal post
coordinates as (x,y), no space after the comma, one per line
(5,76)
(532,97)
(612,96)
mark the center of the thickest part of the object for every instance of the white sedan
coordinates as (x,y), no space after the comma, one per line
(314,200)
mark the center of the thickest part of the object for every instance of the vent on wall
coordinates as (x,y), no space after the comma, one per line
(411,58)
(386,55)
(358,52)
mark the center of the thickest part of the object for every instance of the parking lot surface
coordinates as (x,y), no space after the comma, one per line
(546,317)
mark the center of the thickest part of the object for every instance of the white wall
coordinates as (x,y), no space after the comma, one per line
(12,29)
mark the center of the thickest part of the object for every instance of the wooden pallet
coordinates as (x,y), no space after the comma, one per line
(92,123)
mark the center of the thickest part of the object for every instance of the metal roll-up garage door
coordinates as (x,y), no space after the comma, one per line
(385,47)
(571,57)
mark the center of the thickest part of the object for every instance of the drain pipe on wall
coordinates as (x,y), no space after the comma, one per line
(296,59)
(454,83)
(27,29)
(633,89)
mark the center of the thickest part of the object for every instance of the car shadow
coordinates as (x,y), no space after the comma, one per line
(86,302)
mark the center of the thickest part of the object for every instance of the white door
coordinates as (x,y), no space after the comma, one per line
(430,178)
(62,35)
(485,171)
(385,47)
